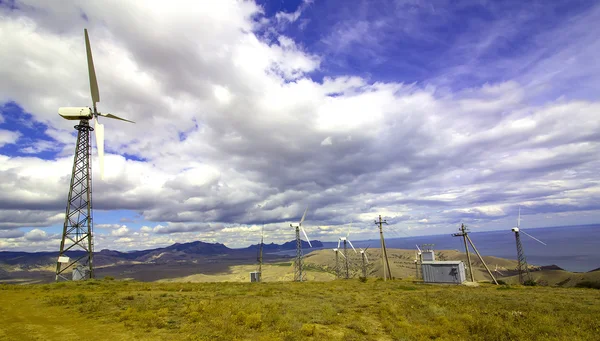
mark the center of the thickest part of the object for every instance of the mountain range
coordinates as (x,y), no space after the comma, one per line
(178,252)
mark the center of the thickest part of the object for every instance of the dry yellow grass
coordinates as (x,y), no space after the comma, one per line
(283,272)
(335,310)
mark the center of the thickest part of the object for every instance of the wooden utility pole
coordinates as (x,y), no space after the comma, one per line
(481,259)
(387,272)
(465,234)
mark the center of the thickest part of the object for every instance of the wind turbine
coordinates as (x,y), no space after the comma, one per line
(78,224)
(365,261)
(298,275)
(337,263)
(522,261)
(498,271)
(418,260)
(260,253)
(346,241)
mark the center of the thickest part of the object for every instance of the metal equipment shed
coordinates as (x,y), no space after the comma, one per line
(443,272)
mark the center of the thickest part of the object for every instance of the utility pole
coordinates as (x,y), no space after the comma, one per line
(481,259)
(384,258)
(260,253)
(465,234)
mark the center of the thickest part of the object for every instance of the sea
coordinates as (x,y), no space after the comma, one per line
(573,248)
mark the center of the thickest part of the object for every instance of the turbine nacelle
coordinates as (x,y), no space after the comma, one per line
(76,113)
(515,229)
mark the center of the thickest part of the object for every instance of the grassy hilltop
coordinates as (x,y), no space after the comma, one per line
(334,310)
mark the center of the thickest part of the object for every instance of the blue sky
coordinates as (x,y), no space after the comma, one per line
(430,113)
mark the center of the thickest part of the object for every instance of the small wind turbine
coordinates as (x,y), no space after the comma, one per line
(498,271)
(298,275)
(365,261)
(418,260)
(522,261)
(78,224)
(337,263)
(346,240)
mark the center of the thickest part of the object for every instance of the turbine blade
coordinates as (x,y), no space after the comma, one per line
(99,129)
(91,70)
(519,218)
(368,246)
(308,240)
(366,258)
(303,216)
(352,246)
(418,248)
(349,227)
(341,254)
(532,237)
(115,117)
(339,240)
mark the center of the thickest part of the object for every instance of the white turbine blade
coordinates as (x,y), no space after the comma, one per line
(339,240)
(352,246)
(532,237)
(308,240)
(418,248)
(99,129)
(519,218)
(341,254)
(303,216)
(115,117)
(349,227)
(366,258)
(91,70)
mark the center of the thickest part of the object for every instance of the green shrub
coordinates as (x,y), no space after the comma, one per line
(588,284)
(530,283)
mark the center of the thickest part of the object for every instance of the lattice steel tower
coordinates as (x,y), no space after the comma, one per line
(523,268)
(78,226)
(299,260)
(299,275)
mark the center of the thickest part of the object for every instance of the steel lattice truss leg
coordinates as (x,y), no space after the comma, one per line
(78,226)
(298,273)
(337,265)
(346,260)
(524,274)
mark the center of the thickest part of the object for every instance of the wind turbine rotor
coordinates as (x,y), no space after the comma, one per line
(352,246)
(308,240)
(92,72)
(114,117)
(532,237)
(303,216)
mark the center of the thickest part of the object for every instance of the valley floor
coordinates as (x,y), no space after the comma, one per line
(335,310)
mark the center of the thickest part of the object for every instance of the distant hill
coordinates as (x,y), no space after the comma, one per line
(291,245)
